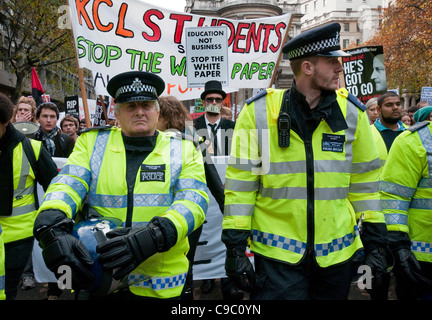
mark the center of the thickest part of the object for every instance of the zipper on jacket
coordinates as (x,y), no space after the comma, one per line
(310,197)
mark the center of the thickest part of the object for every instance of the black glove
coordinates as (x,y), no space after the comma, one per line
(59,248)
(380,260)
(407,267)
(239,268)
(126,248)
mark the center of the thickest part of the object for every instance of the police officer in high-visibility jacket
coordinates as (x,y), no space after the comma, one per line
(406,196)
(303,167)
(24,163)
(152,181)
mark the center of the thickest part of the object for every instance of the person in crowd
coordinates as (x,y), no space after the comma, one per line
(82,125)
(24,162)
(411,110)
(405,190)
(153,182)
(226,113)
(389,125)
(283,196)
(423,114)
(422,103)
(372,109)
(25,110)
(70,125)
(406,119)
(216,130)
(57,143)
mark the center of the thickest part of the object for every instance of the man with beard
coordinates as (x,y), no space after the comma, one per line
(389,125)
(302,168)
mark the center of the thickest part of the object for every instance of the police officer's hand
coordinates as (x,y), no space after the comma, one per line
(61,248)
(127,248)
(239,268)
(407,266)
(380,260)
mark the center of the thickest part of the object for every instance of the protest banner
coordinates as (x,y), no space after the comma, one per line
(114,37)
(426,94)
(364,72)
(206,55)
(72,105)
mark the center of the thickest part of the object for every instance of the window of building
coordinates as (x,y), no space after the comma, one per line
(345,43)
(346,27)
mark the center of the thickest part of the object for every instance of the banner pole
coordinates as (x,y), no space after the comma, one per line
(81,80)
(280,53)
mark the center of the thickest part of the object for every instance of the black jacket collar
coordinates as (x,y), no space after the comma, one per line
(328,109)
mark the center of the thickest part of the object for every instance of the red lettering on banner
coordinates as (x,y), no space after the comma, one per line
(181,18)
(169,87)
(155,28)
(201,22)
(230,27)
(278,31)
(254,37)
(239,37)
(268,28)
(97,22)
(81,11)
(121,31)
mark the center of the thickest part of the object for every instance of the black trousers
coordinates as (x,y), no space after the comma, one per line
(305,281)
(17,254)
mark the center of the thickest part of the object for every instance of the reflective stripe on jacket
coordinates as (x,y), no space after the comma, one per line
(177,191)
(266,187)
(2,267)
(19,225)
(406,188)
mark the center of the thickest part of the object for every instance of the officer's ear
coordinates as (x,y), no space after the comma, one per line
(308,67)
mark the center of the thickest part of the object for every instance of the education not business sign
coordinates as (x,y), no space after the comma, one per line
(206,55)
(117,36)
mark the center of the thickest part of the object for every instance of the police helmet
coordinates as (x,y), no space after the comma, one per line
(91,232)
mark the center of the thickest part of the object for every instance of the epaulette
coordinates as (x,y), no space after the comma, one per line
(182,136)
(356,102)
(97,128)
(418,125)
(257,96)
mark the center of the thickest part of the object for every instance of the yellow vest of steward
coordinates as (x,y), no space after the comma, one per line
(2,267)
(19,225)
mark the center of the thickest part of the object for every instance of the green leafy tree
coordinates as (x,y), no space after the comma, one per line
(33,37)
(406,35)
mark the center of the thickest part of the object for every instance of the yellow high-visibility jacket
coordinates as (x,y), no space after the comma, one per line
(19,225)
(301,198)
(2,267)
(175,189)
(406,188)
(380,144)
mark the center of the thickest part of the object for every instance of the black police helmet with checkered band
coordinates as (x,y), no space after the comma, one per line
(135,86)
(320,41)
